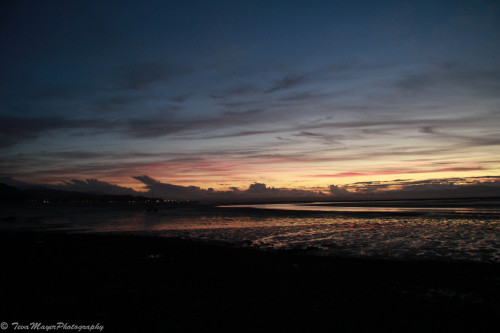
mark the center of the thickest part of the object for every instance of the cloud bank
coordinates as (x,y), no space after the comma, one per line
(472,187)
(255,192)
(425,189)
(90,186)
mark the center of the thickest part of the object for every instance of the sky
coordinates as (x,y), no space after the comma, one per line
(303,96)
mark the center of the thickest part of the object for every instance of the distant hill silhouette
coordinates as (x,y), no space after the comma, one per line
(38,193)
(11,193)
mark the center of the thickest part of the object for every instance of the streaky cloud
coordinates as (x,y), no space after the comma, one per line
(287,82)
(16,129)
(393,172)
(139,75)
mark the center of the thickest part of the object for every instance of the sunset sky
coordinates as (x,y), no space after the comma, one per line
(223,94)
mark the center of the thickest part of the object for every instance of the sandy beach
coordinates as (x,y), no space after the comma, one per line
(130,283)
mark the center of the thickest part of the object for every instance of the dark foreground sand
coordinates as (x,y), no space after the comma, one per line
(147,284)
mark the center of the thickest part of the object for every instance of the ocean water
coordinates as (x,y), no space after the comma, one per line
(451,230)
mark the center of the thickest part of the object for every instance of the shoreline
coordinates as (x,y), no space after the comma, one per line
(131,283)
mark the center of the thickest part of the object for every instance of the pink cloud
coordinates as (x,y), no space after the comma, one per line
(393,172)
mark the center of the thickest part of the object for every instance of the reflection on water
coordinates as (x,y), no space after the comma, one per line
(455,233)
(376,206)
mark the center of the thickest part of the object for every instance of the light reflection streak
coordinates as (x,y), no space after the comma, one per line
(337,207)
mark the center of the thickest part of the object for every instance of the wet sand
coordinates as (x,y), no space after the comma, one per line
(150,284)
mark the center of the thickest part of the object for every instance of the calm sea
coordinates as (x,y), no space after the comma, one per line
(456,230)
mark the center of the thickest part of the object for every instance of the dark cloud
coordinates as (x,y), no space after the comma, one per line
(310,97)
(238,134)
(302,96)
(414,82)
(16,129)
(287,82)
(374,126)
(462,140)
(256,191)
(168,125)
(238,90)
(128,103)
(484,80)
(69,164)
(75,155)
(285,139)
(449,189)
(26,126)
(488,186)
(119,102)
(427,129)
(336,72)
(180,98)
(261,191)
(169,191)
(338,191)
(244,115)
(400,189)
(157,127)
(258,188)
(327,138)
(140,75)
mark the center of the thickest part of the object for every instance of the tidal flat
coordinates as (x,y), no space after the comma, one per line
(138,283)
